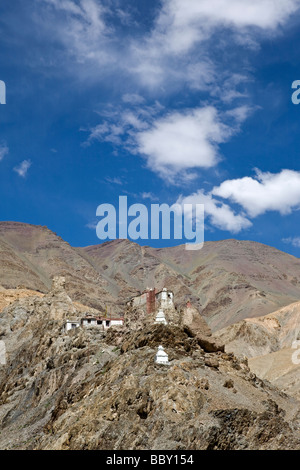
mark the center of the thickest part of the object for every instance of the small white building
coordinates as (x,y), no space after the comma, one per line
(161,356)
(101,322)
(160,317)
(71,325)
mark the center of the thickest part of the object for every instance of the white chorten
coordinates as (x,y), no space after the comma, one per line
(161,356)
(160,317)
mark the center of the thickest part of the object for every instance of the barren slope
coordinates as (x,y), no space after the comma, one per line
(279,369)
(37,254)
(268,343)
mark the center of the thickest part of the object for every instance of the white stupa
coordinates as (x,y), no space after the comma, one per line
(161,356)
(160,317)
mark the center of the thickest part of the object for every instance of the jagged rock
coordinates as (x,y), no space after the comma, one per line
(211,362)
(192,319)
(229,383)
(207,343)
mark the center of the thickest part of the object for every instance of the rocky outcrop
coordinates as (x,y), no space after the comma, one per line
(269,342)
(192,319)
(59,301)
(87,389)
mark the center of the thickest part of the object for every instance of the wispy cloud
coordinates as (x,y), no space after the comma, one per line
(91,225)
(181,27)
(80,27)
(22,168)
(133,98)
(150,196)
(295,241)
(4,150)
(176,50)
(114,180)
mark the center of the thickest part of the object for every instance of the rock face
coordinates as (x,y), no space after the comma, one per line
(61,305)
(269,342)
(89,389)
(192,319)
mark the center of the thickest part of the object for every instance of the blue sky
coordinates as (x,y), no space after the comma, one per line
(164,102)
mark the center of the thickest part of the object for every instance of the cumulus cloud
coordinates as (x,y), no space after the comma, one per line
(183,140)
(4,150)
(279,192)
(23,168)
(264,192)
(220,215)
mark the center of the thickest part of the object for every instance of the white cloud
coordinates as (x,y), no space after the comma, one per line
(4,150)
(220,215)
(295,241)
(183,140)
(80,26)
(23,168)
(265,192)
(175,142)
(181,24)
(167,54)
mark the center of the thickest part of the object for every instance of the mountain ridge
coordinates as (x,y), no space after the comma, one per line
(227,280)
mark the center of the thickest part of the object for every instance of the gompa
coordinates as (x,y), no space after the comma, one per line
(161,356)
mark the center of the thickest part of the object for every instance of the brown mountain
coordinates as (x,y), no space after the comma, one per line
(227,280)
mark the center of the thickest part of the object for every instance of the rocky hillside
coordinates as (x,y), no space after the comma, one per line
(89,389)
(227,280)
(269,342)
